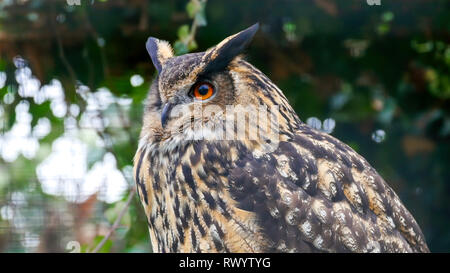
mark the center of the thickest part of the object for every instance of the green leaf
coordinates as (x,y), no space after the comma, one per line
(191,9)
(112,213)
(138,248)
(183,32)
(289,27)
(422,47)
(438,83)
(447,56)
(387,16)
(386,115)
(180,48)
(192,45)
(106,246)
(200,19)
(383,28)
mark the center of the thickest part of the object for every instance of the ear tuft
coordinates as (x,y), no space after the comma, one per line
(160,51)
(218,57)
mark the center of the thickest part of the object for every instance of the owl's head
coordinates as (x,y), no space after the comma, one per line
(194,90)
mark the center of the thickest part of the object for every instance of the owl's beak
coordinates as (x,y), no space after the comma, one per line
(165,113)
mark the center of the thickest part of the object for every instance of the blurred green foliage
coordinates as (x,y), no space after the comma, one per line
(380,72)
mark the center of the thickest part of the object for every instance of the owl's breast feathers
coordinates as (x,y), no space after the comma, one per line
(312,194)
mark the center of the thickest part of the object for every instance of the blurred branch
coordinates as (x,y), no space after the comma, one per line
(106,73)
(117,222)
(98,40)
(143,20)
(104,135)
(197,21)
(195,9)
(186,35)
(61,53)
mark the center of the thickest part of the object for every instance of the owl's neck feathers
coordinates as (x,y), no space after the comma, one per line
(256,84)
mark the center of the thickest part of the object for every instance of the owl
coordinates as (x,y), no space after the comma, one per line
(224,164)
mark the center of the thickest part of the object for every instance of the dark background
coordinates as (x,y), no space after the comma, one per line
(380,72)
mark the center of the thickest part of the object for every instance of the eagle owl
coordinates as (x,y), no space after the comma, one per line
(272,185)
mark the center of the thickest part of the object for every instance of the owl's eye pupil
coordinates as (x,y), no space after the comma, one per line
(203,89)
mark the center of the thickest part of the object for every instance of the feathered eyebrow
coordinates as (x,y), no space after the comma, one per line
(205,76)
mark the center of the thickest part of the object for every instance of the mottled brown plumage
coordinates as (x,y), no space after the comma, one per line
(291,189)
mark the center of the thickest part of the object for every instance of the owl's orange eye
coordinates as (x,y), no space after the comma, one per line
(203,91)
